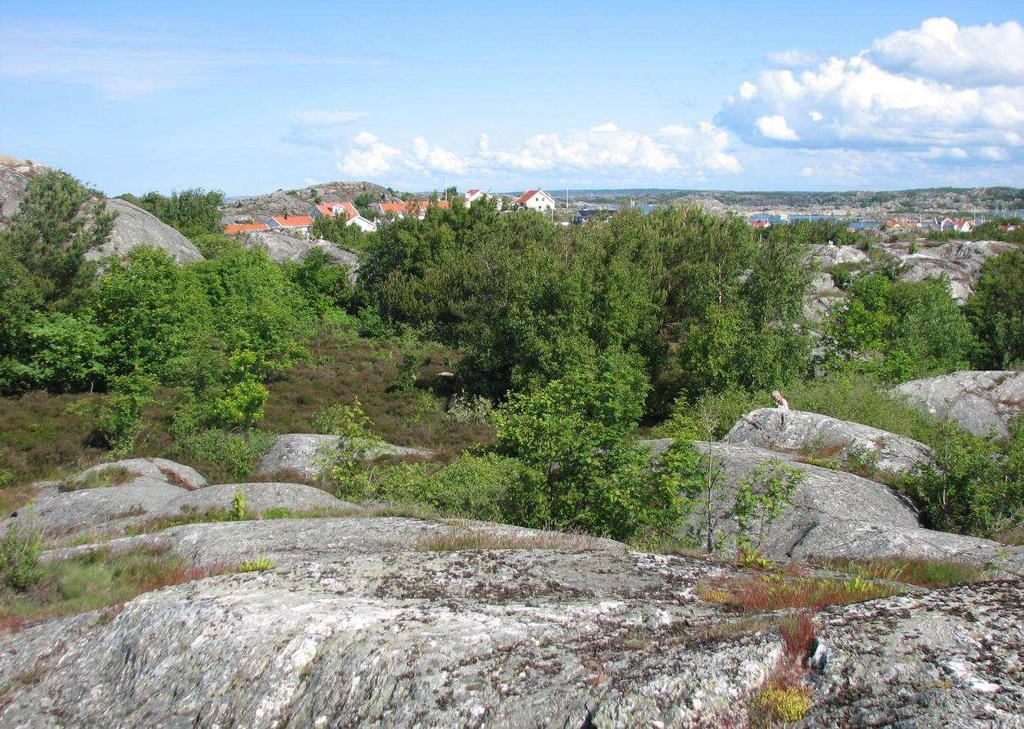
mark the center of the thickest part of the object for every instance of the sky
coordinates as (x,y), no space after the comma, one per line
(250,97)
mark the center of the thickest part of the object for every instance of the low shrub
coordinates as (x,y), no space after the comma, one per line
(226,456)
(109,476)
(19,558)
(784,703)
(465,540)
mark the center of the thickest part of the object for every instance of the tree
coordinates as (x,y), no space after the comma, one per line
(192,212)
(581,470)
(996,312)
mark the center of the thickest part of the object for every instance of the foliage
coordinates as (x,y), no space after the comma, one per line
(118,416)
(580,469)
(465,408)
(192,212)
(223,455)
(897,330)
(343,465)
(786,703)
(996,312)
(923,572)
(19,557)
(257,564)
(237,511)
(973,485)
(761,498)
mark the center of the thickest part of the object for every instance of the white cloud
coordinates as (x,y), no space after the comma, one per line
(937,87)
(369,158)
(792,58)
(326,128)
(604,149)
(775,127)
(436,158)
(940,49)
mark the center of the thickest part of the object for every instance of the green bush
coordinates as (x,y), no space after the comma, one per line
(996,312)
(580,469)
(19,558)
(224,455)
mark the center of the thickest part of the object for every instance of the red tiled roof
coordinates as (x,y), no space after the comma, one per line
(293,221)
(327,208)
(244,227)
(526,196)
(471,193)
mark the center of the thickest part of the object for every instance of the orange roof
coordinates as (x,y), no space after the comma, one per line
(293,221)
(404,207)
(526,196)
(327,208)
(244,227)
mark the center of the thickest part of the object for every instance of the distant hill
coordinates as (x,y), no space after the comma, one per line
(851,202)
(299,202)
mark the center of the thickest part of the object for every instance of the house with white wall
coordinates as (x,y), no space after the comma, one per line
(291,223)
(536,200)
(471,196)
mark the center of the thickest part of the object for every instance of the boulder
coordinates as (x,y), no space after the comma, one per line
(829,255)
(820,436)
(133,227)
(15,177)
(982,402)
(361,623)
(301,454)
(834,514)
(282,247)
(110,497)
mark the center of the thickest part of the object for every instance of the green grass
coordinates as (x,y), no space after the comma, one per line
(258,564)
(921,572)
(96,580)
(767,592)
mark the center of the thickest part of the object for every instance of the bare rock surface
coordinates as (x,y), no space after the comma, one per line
(834,514)
(824,437)
(282,247)
(303,454)
(133,227)
(144,489)
(832,255)
(982,402)
(359,624)
(959,260)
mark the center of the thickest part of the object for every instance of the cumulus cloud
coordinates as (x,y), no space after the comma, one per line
(437,158)
(937,87)
(940,49)
(603,149)
(368,157)
(775,127)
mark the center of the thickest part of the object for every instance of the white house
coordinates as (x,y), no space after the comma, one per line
(334,208)
(367,226)
(536,200)
(471,196)
(296,223)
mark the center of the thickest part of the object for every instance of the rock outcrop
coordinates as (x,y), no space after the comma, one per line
(363,623)
(834,514)
(108,498)
(959,261)
(301,455)
(133,227)
(982,402)
(820,436)
(281,247)
(830,255)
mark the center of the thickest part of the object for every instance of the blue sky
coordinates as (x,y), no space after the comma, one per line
(249,97)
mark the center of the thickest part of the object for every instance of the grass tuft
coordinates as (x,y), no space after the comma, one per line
(109,476)
(921,572)
(777,591)
(258,564)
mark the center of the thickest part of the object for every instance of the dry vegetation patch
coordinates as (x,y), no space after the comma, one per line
(921,572)
(478,540)
(781,590)
(97,579)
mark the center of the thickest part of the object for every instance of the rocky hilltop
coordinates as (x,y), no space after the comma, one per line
(299,202)
(132,226)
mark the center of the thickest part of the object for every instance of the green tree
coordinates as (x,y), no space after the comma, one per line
(996,312)
(581,471)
